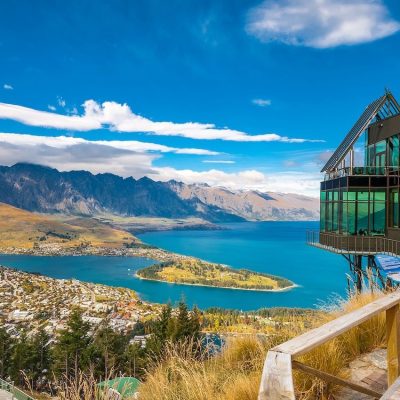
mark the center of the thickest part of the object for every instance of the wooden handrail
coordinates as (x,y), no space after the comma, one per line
(277,378)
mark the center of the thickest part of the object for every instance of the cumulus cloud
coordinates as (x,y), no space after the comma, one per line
(51,108)
(131,158)
(262,102)
(285,182)
(7,86)
(120,117)
(321,23)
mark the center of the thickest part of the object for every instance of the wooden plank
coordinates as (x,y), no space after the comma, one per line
(311,339)
(393,393)
(393,342)
(325,376)
(277,378)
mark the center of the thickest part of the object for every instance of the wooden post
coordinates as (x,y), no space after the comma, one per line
(393,342)
(277,378)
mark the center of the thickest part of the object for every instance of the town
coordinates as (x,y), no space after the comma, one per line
(32,301)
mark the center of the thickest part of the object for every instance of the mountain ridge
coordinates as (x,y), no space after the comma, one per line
(38,188)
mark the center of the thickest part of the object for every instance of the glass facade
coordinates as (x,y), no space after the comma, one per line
(354,211)
(383,154)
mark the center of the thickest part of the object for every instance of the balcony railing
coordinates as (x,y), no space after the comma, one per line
(358,171)
(357,244)
(16,394)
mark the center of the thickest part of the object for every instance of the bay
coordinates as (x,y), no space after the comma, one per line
(273,247)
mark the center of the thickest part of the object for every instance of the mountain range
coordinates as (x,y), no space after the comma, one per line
(42,189)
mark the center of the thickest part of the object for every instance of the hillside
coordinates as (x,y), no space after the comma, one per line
(252,205)
(46,190)
(24,229)
(42,189)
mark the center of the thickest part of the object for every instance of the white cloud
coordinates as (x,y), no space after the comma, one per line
(119,117)
(61,102)
(7,86)
(32,117)
(130,158)
(218,161)
(321,23)
(51,108)
(64,142)
(262,102)
(284,182)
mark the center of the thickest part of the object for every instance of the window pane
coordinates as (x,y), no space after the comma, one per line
(380,147)
(351,218)
(322,210)
(394,152)
(378,218)
(379,196)
(351,196)
(335,219)
(362,218)
(328,214)
(343,218)
(394,204)
(323,196)
(363,196)
(335,195)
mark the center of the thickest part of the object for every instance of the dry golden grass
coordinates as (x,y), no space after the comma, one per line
(21,229)
(235,373)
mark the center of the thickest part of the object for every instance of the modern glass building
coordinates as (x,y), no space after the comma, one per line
(360,191)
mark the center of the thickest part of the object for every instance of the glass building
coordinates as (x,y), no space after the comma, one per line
(360,215)
(360,191)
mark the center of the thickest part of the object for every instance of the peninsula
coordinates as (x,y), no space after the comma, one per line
(24,232)
(200,273)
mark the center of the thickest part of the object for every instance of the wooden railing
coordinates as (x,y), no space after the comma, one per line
(277,378)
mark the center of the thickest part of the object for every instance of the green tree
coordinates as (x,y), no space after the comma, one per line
(72,350)
(6,349)
(41,362)
(21,361)
(110,347)
(183,328)
(136,360)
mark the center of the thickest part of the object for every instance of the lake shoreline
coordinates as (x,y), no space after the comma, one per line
(221,287)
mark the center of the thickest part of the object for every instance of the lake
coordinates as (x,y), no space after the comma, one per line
(273,247)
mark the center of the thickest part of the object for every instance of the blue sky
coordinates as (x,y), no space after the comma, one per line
(244,94)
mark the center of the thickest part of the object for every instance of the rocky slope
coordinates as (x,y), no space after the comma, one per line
(252,205)
(46,190)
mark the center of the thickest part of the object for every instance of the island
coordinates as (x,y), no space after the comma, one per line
(201,273)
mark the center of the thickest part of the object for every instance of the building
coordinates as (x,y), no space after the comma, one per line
(360,190)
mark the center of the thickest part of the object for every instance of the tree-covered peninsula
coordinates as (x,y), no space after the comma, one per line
(198,272)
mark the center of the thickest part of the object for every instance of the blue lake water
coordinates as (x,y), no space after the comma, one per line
(273,247)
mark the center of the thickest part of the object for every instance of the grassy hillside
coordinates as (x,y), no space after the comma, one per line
(235,373)
(197,272)
(24,229)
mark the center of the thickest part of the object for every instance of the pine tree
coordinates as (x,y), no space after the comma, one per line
(136,360)
(41,358)
(110,346)
(183,323)
(6,349)
(21,360)
(163,324)
(195,323)
(72,351)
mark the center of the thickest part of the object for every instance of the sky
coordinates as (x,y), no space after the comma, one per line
(247,94)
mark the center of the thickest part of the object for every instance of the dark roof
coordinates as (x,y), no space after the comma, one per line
(381,108)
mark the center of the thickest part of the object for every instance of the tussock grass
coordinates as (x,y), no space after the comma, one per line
(235,373)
